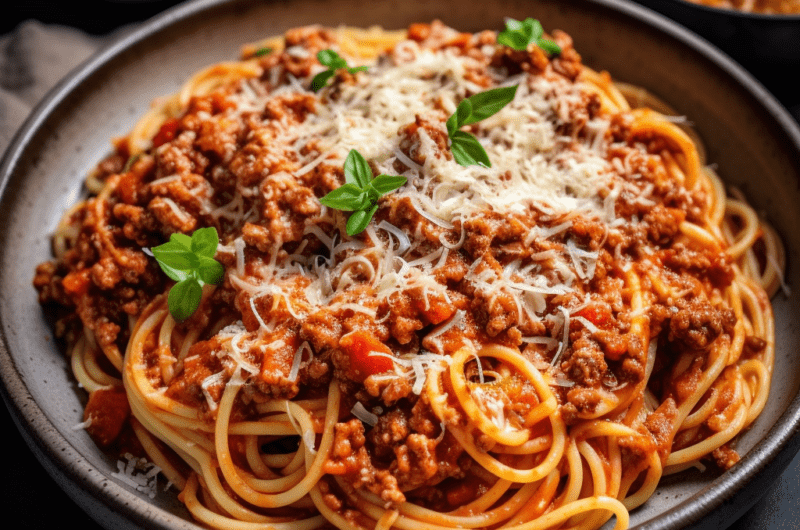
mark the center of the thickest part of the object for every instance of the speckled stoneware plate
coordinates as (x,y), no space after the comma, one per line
(754,142)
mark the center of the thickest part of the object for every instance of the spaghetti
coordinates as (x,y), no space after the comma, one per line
(528,346)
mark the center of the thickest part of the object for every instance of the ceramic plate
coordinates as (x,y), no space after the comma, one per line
(753,141)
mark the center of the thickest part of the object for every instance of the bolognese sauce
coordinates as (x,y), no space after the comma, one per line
(540,339)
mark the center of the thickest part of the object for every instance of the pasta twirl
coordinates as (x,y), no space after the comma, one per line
(527,345)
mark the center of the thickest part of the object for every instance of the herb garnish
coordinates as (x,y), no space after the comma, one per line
(466,149)
(190,262)
(361,192)
(262,51)
(520,35)
(130,162)
(334,62)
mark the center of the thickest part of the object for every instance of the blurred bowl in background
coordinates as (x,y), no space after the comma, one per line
(768,45)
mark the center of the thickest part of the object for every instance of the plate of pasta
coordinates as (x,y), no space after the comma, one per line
(343,265)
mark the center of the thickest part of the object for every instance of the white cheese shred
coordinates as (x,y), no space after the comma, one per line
(138,473)
(360,412)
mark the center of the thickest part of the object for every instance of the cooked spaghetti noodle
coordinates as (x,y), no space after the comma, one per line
(529,345)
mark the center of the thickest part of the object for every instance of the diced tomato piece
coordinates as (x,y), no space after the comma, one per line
(358,345)
(166,133)
(597,314)
(128,187)
(107,411)
(76,282)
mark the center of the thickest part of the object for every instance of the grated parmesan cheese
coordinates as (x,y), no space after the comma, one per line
(536,171)
(364,415)
(138,473)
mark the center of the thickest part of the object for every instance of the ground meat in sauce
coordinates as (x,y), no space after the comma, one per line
(238,174)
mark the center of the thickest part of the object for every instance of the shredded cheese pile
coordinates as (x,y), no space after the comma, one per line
(534,168)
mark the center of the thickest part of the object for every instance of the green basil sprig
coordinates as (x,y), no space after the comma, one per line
(360,192)
(520,35)
(466,149)
(190,262)
(334,62)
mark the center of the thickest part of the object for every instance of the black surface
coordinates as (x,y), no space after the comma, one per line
(94,16)
(27,491)
(764,44)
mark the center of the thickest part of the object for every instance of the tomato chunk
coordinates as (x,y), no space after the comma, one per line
(107,411)
(359,345)
(166,133)
(597,314)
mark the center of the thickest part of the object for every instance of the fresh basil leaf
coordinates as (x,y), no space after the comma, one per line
(175,256)
(347,198)
(536,29)
(210,270)
(516,35)
(515,41)
(190,262)
(468,151)
(321,79)
(465,147)
(331,59)
(488,103)
(174,274)
(357,170)
(361,192)
(452,123)
(262,51)
(184,299)
(514,25)
(549,46)
(181,239)
(462,114)
(372,196)
(519,35)
(334,62)
(204,242)
(359,220)
(383,184)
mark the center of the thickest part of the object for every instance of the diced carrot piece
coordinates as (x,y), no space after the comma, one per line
(76,282)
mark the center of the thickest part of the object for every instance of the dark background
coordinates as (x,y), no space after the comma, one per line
(25,484)
(94,16)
